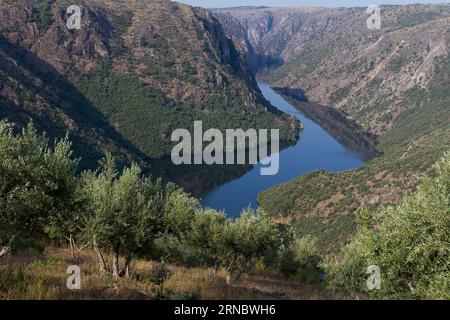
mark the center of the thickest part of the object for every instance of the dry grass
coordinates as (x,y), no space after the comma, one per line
(31,275)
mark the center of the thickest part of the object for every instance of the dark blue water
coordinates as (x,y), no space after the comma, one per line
(315,150)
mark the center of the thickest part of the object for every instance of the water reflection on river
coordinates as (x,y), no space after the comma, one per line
(315,150)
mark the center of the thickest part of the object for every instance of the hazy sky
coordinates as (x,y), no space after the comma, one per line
(299,3)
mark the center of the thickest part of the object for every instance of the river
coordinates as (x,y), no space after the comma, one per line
(315,150)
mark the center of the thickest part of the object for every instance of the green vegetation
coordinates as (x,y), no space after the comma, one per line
(417,17)
(245,240)
(121,212)
(141,113)
(297,65)
(340,93)
(410,243)
(138,104)
(42,15)
(299,258)
(397,64)
(322,204)
(147,118)
(37,182)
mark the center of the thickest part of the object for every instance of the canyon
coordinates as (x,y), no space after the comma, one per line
(390,85)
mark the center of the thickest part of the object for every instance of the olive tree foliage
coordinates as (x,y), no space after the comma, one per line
(124,211)
(245,240)
(206,234)
(306,251)
(298,255)
(67,222)
(178,211)
(37,183)
(409,242)
(236,245)
(177,214)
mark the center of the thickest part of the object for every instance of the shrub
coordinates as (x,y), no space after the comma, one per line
(299,258)
(245,240)
(42,15)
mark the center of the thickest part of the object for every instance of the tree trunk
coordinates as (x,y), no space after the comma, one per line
(115,263)
(161,289)
(215,270)
(101,260)
(4,251)
(228,279)
(7,249)
(127,266)
(72,248)
(233,275)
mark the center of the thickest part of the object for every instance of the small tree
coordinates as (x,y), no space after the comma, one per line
(124,211)
(179,210)
(245,240)
(36,182)
(159,273)
(67,222)
(298,255)
(207,233)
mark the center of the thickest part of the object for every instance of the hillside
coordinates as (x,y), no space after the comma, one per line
(40,275)
(134,72)
(393,82)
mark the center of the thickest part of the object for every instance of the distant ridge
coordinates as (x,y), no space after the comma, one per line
(241,7)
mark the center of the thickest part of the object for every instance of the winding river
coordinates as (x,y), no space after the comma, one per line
(315,150)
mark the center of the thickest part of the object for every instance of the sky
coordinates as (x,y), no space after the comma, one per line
(300,3)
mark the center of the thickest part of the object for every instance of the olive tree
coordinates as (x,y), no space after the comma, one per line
(67,221)
(207,233)
(178,211)
(298,254)
(124,211)
(245,240)
(37,182)
(409,242)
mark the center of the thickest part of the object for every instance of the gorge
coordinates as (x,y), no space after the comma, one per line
(89,121)
(390,86)
(316,150)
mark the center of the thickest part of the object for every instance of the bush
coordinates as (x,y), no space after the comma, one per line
(159,273)
(299,258)
(24,243)
(245,240)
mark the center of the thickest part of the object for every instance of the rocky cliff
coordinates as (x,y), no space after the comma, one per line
(134,72)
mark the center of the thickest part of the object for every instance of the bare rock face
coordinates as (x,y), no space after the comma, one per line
(238,33)
(51,40)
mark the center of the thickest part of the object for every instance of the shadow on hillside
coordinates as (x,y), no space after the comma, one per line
(336,123)
(91,129)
